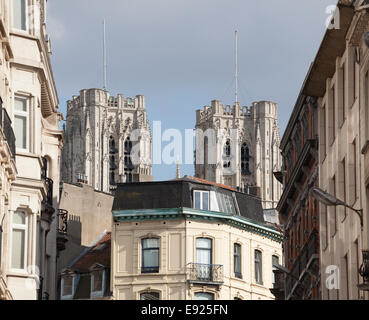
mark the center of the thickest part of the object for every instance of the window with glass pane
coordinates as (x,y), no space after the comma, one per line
(258,267)
(21,117)
(67,286)
(204,258)
(98,281)
(237,261)
(150,296)
(19,238)
(275,261)
(20,14)
(201,200)
(225,203)
(204,296)
(150,255)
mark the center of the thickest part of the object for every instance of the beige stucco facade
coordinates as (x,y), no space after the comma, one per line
(343,162)
(29,83)
(89,215)
(177,240)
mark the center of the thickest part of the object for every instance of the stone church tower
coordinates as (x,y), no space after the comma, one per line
(245,148)
(108,140)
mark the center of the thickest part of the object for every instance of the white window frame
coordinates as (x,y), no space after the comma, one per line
(22,227)
(26,16)
(201,192)
(97,294)
(67,297)
(25,114)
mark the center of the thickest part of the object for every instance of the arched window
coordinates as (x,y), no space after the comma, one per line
(227,148)
(237,261)
(19,240)
(112,164)
(150,296)
(204,296)
(128,165)
(204,258)
(150,255)
(245,160)
(258,267)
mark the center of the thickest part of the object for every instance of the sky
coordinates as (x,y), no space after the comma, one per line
(180,53)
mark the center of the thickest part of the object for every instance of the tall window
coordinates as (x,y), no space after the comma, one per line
(343,165)
(343,96)
(334,208)
(323,127)
(201,200)
(332,115)
(20,14)
(150,255)
(97,283)
(67,286)
(19,240)
(150,296)
(112,165)
(21,122)
(366,92)
(237,260)
(275,261)
(204,258)
(353,173)
(258,267)
(227,148)
(128,165)
(245,160)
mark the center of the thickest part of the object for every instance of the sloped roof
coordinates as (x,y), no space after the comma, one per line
(98,253)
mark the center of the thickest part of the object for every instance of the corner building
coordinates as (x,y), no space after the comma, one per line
(191,239)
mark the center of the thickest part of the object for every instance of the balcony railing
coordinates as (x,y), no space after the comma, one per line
(49,192)
(303,265)
(62,222)
(6,125)
(205,273)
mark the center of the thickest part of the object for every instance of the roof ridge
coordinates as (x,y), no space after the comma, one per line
(85,251)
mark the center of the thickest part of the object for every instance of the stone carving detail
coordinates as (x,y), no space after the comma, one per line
(106,126)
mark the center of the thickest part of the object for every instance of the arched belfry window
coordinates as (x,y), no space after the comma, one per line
(227,148)
(128,165)
(112,158)
(227,154)
(245,160)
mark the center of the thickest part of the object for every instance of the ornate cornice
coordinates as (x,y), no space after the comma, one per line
(198,215)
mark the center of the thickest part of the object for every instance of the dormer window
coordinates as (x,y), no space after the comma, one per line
(201,200)
(97,283)
(67,287)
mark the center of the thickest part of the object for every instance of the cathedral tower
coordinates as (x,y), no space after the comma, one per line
(245,149)
(108,140)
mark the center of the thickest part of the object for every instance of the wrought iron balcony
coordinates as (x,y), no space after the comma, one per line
(278,285)
(62,222)
(306,265)
(205,273)
(364,272)
(49,192)
(62,229)
(6,125)
(48,210)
